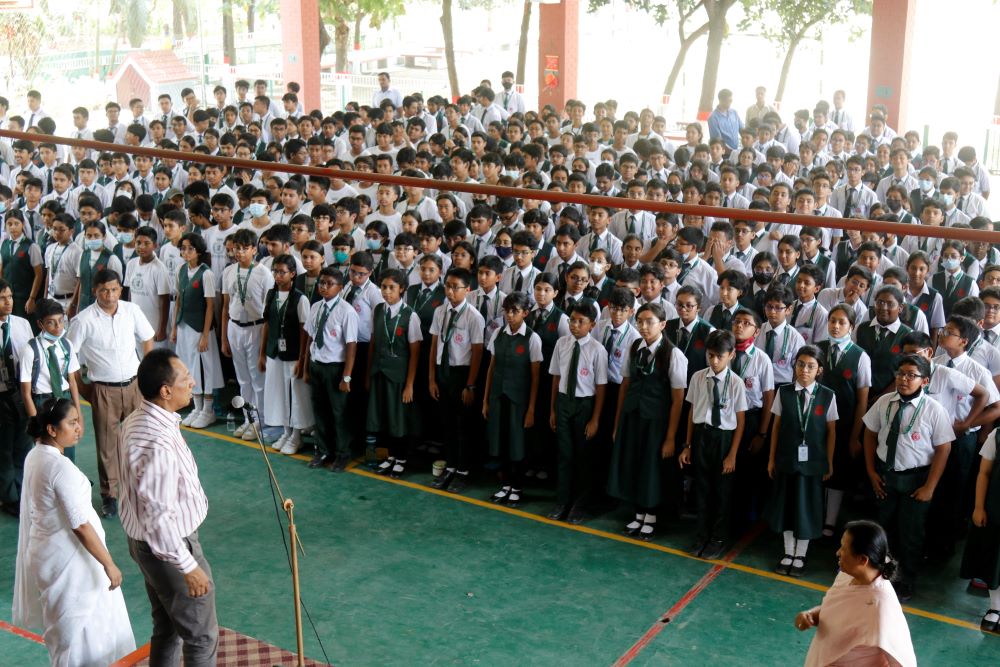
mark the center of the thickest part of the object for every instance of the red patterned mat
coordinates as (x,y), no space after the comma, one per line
(235,650)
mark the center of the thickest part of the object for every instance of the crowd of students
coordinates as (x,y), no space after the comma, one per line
(747,370)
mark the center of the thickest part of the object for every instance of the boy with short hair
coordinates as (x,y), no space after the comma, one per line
(808,315)
(147,282)
(520,277)
(779,340)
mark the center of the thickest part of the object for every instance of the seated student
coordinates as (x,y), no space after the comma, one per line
(291,202)
(667,225)
(982,254)
(311,256)
(278,241)
(808,315)
(919,292)
(62,258)
(951,282)
(534,222)
(981,558)
(870,257)
(652,288)
(694,271)
(803,442)
(48,364)
(715,428)
(846,253)
(882,338)
(631,253)
(193,330)
(564,243)
(331,341)
(990,277)
(520,277)
(303,230)
(779,341)
(94,259)
(487,297)
(391,373)
(689,331)
(22,264)
(931,214)
(147,284)
(599,236)
(910,315)
(654,376)
(480,223)
(764,266)
(733,285)
(990,297)
(404,257)
(430,235)
(579,367)
(633,221)
(511,393)
(788,253)
(907,444)
(743,250)
(810,239)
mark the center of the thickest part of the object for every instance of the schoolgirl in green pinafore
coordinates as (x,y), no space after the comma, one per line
(22,264)
(802,445)
(423,299)
(550,325)
(392,372)
(511,393)
(95,258)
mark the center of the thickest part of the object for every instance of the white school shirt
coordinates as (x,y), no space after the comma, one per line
(732,394)
(916,444)
(644,224)
(107,343)
(534,343)
(509,280)
(787,342)
(678,362)
(985,355)
(704,276)
(621,341)
(832,296)
(393,221)
(591,369)
(494,308)
(19,333)
(466,331)
(257,281)
(341,329)
(607,241)
(952,389)
(215,239)
(367,297)
(170,255)
(810,321)
(758,376)
(147,283)
(968,366)
(67,366)
(62,262)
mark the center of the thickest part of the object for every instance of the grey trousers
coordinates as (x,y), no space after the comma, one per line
(181,624)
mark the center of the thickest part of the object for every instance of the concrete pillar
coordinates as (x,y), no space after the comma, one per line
(300,49)
(889,64)
(558,52)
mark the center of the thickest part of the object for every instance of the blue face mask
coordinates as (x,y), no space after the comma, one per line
(3,207)
(947,200)
(93,244)
(950,264)
(257,210)
(841,341)
(340,257)
(373,244)
(125,237)
(503,252)
(926,185)
(52,338)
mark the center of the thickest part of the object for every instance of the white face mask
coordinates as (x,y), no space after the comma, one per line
(926,185)
(597,268)
(950,264)
(257,210)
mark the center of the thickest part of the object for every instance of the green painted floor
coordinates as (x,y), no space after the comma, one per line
(394,575)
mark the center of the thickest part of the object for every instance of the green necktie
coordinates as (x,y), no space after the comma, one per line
(574,363)
(769,344)
(893,440)
(716,403)
(321,327)
(55,374)
(352,294)
(445,344)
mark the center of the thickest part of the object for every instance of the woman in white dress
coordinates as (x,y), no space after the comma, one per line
(66,584)
(860,622)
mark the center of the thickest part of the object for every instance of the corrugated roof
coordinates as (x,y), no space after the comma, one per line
(157,66)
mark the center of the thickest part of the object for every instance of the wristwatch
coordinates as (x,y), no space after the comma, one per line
(347,379)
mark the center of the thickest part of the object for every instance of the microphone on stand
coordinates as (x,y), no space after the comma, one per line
(239,404)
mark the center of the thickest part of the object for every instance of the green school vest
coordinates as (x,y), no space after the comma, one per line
(649,391)
(391,343)
(542,256)
(926,302)
(512,367)
(949,299)
(300,285)
(548,330)
(276,332)
(424,307)
(840,377)
(87,274)
(790,436)
(17,269)
(695,348)
(883,355)
(191,300)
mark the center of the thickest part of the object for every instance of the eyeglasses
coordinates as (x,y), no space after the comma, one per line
(360,274)
(881,303)
(908,377)
(991,306)
(806,366)
(686,306)
(775,308)
(327,283)
(523,253)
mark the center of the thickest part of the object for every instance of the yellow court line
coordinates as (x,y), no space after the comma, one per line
(587,530)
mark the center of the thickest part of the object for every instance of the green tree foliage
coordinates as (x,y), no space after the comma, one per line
(344,14)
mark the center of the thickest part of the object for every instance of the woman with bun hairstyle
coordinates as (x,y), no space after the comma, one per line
(860,621)
(66,585)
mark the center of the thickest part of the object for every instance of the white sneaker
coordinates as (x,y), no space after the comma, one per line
(204,419)
(191,416)
(250,433)
(240,430)
(291,446)
(279,444)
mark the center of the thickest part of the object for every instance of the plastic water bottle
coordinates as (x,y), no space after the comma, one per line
(230,422)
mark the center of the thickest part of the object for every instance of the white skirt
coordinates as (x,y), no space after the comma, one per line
(287,401)
(205,366)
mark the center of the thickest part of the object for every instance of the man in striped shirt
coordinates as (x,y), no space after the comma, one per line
(161,506)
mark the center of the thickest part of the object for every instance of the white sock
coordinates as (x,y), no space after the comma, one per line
(207,401)
(801,546)
(833,500)
(789,538)
(995,599)
(199,401)
(650,519)
(639,516)
(296,435)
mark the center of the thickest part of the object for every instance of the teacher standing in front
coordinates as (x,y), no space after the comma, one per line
(162,505)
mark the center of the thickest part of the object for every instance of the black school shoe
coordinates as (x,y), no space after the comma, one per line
(990,626)
(443,480)
(340,463)
(559,513)
(318,461)
(713,550)
(798,566)
(109,507)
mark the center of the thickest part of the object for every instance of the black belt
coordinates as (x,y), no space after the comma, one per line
(327,363)
(62,296)
(115,384)
(908,471)
(246,324)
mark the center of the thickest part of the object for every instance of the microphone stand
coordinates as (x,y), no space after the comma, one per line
(289,507)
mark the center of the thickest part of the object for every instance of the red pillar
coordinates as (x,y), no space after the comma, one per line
(300,48)
(889,64)
(558,49)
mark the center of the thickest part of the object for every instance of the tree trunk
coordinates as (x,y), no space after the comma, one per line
(324,36)
(341,37)
(357,30)
(449,48)
(686,45)
(180,13)
(522,44)
(716,35)
(228,33)
(251,16)
(786,65)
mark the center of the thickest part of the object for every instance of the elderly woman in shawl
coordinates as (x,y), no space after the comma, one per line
(860,622)
(66,584)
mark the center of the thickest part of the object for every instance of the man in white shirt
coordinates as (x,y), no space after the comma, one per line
(510,100)
(385,92)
